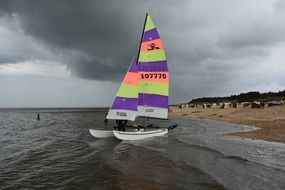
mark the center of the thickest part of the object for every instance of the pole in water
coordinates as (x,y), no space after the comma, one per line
(38,116)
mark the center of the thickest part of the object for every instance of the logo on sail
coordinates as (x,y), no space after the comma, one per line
(152,46)
(121,114)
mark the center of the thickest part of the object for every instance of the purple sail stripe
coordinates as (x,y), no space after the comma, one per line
(150,35)
(133,66)
(125,103)
(153,66)
(153,100)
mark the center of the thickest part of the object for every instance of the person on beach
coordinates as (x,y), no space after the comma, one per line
(120,124)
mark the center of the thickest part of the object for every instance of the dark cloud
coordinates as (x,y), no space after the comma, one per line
(5,7)
(264,30)
(279,6)
(106,32)
(208,44)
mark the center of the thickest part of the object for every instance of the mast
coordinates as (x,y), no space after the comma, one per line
(138,54)
(139,50)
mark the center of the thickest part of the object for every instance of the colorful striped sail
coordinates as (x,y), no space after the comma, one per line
(152,68)
(125,104)
(145,88)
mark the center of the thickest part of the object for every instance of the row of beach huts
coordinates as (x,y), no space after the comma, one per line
(223,105)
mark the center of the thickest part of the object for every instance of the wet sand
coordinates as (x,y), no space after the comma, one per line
(270,121)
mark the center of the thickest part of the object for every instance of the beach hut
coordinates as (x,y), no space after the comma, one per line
(256,104)
(184,105)
(235,105)
(275,103)
(207,105)
(199,106)
(226,105)
(245,104)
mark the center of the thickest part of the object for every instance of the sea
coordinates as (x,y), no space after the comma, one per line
(58,152)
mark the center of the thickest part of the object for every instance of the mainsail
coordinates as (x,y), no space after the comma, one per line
(125,104)
(154,77)
(145,88)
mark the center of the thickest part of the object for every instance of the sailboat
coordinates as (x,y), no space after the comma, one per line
(144,90)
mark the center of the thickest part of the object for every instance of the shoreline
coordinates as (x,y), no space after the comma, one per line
(270,121)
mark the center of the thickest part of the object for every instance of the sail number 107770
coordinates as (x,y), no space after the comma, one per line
(155,76)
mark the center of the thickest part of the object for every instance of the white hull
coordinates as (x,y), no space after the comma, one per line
(101,133)
(137,135)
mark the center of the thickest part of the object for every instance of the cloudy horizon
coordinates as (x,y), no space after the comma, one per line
(75,53)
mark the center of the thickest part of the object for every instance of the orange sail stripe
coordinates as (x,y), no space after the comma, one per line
(131,78)
(152,45)
(162,77)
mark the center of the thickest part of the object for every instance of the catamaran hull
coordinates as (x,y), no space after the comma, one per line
(101,133)
(138,135)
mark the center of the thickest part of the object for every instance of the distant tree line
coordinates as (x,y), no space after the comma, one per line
(243,97)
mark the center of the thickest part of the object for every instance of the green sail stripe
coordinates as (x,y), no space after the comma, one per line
(150,87)
(128,91)
(154,55)
(149,24)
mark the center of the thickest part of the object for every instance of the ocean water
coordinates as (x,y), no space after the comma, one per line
(57,152)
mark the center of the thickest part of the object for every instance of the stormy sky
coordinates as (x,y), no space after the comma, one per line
(68,53)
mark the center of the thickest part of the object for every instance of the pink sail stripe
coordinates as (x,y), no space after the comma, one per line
(131,78)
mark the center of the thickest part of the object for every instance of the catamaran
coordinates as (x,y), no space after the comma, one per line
(144,90)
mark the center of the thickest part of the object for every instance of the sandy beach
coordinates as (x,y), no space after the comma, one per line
(269,120)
